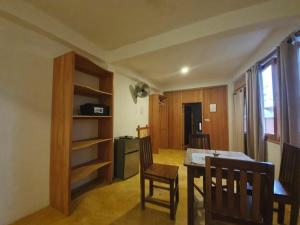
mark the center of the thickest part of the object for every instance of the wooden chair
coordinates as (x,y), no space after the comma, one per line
(233,204)
(143,131)
(287,188)
(161,173)
(200,140)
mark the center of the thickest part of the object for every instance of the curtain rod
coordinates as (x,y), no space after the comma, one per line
(293,37)
(296,33)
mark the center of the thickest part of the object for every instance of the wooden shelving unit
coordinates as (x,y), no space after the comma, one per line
(81,171)
(63,175)
(77,145)
(84,117)
(87,91)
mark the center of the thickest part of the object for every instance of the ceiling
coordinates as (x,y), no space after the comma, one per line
(153,39)
(209,58)
(115,23)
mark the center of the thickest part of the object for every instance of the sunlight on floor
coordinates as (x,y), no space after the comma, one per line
(118,204)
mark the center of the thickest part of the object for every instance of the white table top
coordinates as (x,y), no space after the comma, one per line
(196,157)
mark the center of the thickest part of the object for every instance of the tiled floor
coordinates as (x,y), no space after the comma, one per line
(118,204)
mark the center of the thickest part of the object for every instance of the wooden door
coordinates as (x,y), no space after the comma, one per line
(216,123)
(154,122)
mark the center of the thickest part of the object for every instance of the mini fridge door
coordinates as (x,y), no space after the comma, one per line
(131,164)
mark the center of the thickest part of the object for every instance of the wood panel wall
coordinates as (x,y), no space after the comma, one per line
(175,125)
(164,124)
(217,122)
(154,122)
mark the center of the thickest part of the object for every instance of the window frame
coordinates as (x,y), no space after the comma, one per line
(272,60)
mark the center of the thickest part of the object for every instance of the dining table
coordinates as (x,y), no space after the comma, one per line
(195,163)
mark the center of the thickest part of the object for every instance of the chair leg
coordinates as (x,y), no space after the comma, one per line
(281,212)
(294,214)
(151,187)
(172,205)
(207,218)
(142,193)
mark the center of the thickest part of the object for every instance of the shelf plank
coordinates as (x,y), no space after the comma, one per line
(97,182)
(84,170)
(88,91)
(76,145)
(90,117)
(87,66)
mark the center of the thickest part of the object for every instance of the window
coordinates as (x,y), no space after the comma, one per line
(270,90)
(269,118)
(298,45)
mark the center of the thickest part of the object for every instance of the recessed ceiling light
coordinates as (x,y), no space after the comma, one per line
(184,70)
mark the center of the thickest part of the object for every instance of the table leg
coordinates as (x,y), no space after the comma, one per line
(190,192)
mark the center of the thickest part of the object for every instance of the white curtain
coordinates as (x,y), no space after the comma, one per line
(238,115)
(256,148)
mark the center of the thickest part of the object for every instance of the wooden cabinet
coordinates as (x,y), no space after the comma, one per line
(164,131)
(158,121)
(68,93)
(175,120)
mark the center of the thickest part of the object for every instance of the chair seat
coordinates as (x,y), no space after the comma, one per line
(281,192)
(162,171)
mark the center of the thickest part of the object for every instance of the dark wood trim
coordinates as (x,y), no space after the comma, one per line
(197,88)
(272,140)
(272,59)
(276,88)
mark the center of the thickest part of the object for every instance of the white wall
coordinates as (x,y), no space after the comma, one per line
(127,114)
(26,61)
(25,112)
(274,156)
(266,47)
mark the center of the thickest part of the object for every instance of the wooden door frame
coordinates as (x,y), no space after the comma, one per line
(183,122)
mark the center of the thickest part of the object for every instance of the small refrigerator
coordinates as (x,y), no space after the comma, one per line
(126,157)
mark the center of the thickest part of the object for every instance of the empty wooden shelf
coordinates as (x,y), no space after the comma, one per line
(68,69)
(76,145)
(84,170)
(88,91)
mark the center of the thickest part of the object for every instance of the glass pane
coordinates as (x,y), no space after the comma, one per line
(268,100)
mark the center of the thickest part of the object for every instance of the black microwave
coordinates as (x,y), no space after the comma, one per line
(94,109)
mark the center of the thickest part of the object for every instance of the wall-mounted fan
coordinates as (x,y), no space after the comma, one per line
(140,90)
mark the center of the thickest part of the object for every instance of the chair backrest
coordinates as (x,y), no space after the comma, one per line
(290,169)
(201,141)
(233,204)
(146,159)
(143,131)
